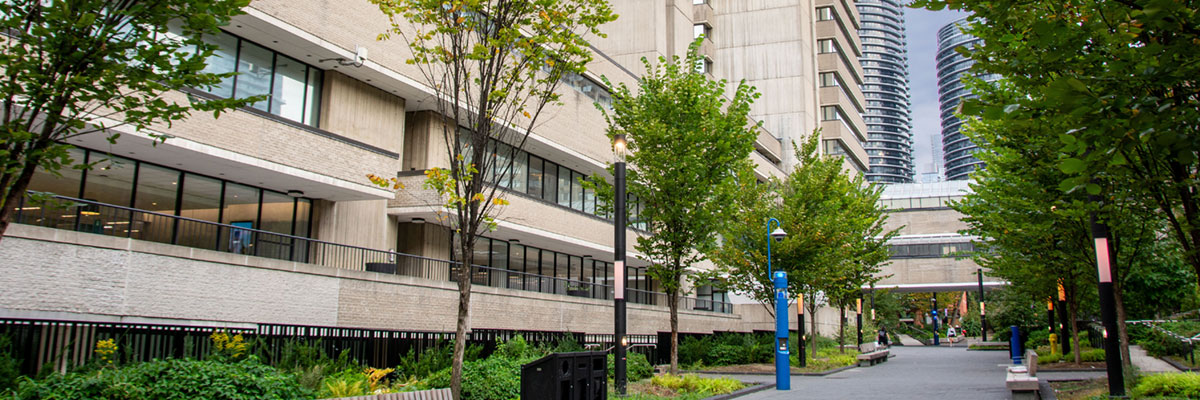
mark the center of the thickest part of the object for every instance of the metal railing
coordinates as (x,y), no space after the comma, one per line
(112,220)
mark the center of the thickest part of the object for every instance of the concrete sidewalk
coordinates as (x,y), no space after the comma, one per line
(917,372)
(1147,364)
(909,341)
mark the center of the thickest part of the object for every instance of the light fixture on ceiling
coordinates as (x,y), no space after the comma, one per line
(295,193)
(514,240)
(418,220)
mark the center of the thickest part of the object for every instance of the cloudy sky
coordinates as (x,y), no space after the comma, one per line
(922,27)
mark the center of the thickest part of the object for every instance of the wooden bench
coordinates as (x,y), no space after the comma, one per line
(1022,380)
(872,354)
(432,394)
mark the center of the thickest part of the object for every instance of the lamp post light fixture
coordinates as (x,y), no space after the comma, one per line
(783,375)
(620,147)
(1062,318)
(982,308)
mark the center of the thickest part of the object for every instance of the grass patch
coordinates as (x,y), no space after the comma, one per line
(1080,390)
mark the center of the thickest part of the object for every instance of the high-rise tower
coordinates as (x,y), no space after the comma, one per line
(958,150)
(885,73)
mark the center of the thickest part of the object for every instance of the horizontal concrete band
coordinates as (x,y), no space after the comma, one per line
(59,273)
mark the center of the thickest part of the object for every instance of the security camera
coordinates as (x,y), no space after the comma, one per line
(778,234)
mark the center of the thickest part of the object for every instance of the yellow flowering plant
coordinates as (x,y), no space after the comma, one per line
(225,346)
(106,349)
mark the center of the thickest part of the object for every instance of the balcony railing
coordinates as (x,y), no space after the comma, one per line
(112,220)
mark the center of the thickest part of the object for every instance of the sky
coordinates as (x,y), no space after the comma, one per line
(921,28)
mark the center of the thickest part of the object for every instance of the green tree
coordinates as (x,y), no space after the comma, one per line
(1120,77)
(836,241)
(493,66)
(687,145)
(1031,233)
(79,67)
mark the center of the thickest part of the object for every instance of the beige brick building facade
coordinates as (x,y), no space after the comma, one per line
(229,265)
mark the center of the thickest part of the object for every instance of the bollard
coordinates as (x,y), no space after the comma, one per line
(1014,345)
(1053,343)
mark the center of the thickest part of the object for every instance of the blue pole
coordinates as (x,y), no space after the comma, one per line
(783,376)
(1014,345)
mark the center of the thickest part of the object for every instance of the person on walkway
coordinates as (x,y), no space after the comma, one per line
(950,335)
(882,339)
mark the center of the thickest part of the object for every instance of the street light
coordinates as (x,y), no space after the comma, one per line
(621,148)
(783,374)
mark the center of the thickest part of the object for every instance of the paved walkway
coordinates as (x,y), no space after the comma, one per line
(909,341)
(1146,363)
(917,372)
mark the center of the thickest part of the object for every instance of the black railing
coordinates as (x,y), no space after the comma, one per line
(107,219)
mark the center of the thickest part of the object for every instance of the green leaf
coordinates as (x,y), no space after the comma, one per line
(1072,166)
(1093,189)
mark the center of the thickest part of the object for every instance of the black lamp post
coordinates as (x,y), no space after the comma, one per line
(1108,310)
(619,341)
(982,308)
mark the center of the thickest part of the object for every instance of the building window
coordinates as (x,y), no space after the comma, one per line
(830,113)
(704,66)
(834,148)
(152,188)
(825,14)
(829,79)
(698,2)
(292,88)
(826,46)
(701,29)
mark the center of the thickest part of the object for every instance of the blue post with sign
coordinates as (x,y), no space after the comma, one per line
(783,376)
(1014,345)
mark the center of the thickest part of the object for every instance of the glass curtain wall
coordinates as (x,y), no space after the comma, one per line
(291,89)
(158,193)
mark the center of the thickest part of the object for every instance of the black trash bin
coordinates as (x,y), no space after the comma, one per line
(566,376)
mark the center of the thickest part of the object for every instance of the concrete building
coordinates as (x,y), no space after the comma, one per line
(885,65)
(957,149)
(264,217)
(928,255)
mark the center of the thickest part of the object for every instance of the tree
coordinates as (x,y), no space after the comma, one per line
(1031,233)
(687,144)
(493,66)
(835,244)
(1121,75)
(78,67)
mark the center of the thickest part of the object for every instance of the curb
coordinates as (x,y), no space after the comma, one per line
(1178,365)
(1045,391)
(742,392)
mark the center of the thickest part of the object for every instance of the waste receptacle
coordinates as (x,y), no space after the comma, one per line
(566,376)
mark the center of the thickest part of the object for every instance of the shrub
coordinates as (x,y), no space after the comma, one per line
(636,367)
(10,365)
(346,383)
(1173,385)
(690,383)
(1037,337)
(1048,358)
(170,379)
(496,378)
(1091,355)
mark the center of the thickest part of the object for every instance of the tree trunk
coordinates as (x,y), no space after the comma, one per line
(1122,333)
(673,304)
(842,329)
(15,193)
(812,318)
(1071,310)
(464,311)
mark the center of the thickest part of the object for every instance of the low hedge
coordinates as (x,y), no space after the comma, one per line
(1171,385)
(170,379)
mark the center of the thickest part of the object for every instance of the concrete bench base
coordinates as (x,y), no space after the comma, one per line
(873,357)
(1021,384)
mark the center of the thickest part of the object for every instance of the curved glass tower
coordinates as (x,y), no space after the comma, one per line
(957,150)
(885,86)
